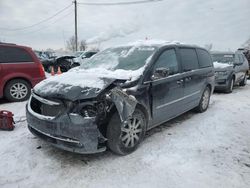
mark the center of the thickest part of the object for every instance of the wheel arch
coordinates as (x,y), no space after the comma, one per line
(16,78)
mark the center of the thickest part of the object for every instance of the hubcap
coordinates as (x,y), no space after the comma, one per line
(18,91)
(205,99)
(131,132)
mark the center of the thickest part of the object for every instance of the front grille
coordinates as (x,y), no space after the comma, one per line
(46,109)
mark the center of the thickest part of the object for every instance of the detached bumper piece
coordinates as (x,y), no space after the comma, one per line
(70,132)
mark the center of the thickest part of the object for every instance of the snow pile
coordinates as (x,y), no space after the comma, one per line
(221,65)
(86,78)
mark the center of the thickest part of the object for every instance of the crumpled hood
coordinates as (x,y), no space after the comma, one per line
(77,84)
(222,66)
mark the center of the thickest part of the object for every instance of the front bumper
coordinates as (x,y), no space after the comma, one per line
(221,82)
(70,132)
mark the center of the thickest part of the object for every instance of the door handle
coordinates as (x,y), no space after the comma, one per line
(179,82)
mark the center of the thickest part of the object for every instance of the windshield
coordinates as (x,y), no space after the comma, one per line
(77,54)
(126,58)
(223,58)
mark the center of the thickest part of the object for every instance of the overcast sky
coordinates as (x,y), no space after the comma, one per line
(225,23)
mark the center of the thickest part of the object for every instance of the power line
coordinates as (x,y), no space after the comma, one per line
(38,23)
(44,27)
(120,3)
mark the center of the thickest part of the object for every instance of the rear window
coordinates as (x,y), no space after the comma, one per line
(14,55)
(204,58)
(189,59)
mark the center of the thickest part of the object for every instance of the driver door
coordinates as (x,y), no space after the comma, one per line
(167,92)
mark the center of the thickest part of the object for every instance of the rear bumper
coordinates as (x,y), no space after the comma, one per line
(69,132)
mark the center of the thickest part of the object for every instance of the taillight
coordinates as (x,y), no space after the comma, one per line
(41,70)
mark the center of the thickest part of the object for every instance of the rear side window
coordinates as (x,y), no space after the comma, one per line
(204,58)
(14,55)
(189,59)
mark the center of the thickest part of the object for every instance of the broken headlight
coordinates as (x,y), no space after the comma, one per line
(88,111)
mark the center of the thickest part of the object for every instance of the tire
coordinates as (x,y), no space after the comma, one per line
(124,138)
(204,102)
(17,90)
(230,85)
(244,81)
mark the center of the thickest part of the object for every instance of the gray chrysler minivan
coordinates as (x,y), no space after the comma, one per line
(119,94)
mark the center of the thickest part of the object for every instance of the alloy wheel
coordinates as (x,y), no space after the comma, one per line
(232,85)
(205,99)
(18,91)
(131,132)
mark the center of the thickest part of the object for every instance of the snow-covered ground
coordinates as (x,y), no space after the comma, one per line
(205,150)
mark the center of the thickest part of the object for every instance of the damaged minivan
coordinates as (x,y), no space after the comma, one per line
(112,99)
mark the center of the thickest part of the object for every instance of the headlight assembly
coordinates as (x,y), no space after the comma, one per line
(221,73)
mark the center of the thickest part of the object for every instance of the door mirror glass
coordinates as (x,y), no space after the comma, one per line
(160,73)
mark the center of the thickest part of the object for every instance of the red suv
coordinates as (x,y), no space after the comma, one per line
(20,70)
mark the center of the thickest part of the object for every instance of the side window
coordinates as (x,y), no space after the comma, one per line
(189,59)
(168,59)
(205,59)
(14,55)
(237,58)
(242,58)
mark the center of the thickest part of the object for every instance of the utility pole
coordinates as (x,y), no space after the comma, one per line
(76,37)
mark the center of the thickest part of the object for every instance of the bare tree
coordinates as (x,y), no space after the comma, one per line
(83,45)
(71,44)
(247,44)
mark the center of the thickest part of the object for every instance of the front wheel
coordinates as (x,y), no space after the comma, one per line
(230,86)
(124,137)
(204,102)
(244,81)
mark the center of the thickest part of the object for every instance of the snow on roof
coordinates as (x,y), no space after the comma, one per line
(150,42)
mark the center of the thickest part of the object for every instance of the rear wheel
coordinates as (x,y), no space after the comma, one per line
(124,138)
(204,102)
(17,90)
(244,81)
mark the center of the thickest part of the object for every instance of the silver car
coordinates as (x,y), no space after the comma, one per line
(230,69)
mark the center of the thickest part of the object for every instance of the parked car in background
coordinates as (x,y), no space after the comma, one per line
(230,69)
(119,94)
(81,55)
(20,70)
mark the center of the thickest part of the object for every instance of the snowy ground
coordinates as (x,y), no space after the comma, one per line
(195,150)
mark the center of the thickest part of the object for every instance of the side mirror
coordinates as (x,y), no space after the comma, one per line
(238,63)
(83,57)
(160,73)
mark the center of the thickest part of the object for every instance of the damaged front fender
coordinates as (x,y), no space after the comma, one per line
(124,103)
